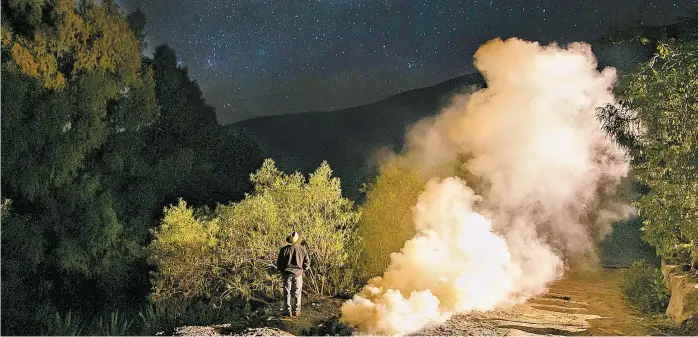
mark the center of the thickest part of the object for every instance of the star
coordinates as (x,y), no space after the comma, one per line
(260,49)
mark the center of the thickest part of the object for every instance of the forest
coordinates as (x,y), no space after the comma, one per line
(97,139)
(128,209)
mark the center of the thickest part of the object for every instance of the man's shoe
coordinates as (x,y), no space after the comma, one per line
(298,314)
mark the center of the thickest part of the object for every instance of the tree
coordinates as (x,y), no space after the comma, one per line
(225,253)
(386,216)
(184,251)
(195,157)
(55,41)
(136,20)
(658,122)
(94,144)
(73,83)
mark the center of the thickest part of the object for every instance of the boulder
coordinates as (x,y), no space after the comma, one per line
(683,286)
(209,330)
(263,332)
(226,330)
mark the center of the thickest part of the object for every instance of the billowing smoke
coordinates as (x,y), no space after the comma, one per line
(522,180)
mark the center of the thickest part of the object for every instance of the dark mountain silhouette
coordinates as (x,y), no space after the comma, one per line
(349,139)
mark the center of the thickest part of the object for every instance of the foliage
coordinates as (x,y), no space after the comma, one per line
(226,253)
(64,230)
(331,327)
(184,251)
(64,41)
(624,244)
(64,325)
(643,286)
(194,157)
(153,318)
(91,155)
(116,326)
(658,122)
(386,216)
(165,316)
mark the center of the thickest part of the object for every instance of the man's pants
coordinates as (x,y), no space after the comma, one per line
(293,287)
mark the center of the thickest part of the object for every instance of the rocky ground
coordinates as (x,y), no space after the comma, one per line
(580,304)
(227,330)
(320,316)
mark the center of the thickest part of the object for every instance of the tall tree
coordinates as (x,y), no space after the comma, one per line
(216,161)
(75,97)
(658,123)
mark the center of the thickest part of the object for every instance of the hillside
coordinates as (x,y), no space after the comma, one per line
(349,138)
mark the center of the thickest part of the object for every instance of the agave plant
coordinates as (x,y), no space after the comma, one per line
(64,325)
(116,326)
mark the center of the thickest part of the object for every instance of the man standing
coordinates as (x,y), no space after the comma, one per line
(293,260)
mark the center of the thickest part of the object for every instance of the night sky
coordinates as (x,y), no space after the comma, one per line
(254,57)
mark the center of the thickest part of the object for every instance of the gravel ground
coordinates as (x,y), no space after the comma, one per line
(576,305)
(263,332)
(588,304)
(226,330)
(519,320)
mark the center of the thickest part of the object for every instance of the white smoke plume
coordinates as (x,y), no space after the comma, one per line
(523,178)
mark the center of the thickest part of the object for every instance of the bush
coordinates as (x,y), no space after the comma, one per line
(64,325)
(658,123)
(117,325)
(331,327)
(165,316)
(643,286)
(386,216)
(225,254)
(184,250)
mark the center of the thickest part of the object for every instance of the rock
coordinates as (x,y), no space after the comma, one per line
(263,332)
(683,286)
(226,330)
(210,330)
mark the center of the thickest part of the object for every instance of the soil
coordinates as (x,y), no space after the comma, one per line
(579,304)
(316,315)
(227,330)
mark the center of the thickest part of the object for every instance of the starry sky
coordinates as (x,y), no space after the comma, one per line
(265,57)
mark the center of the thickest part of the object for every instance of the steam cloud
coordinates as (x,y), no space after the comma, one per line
(523,180)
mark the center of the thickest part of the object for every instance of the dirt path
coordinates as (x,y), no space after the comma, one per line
(581,304)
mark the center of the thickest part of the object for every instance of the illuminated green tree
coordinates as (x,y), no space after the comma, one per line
(658,123)
(225,253)
(386,216)
(80,163)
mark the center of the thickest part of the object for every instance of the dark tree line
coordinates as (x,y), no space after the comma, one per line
(96,140)
(656,120)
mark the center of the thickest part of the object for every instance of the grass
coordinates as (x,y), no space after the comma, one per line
(152,319)
(643,287)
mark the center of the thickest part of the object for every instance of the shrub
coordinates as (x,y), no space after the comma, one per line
(164,316)
(658,123)
(643,286)
(160,317)
(331,327)
(184,250)
(225,254)
(386,216)
(118,325)
(66,325)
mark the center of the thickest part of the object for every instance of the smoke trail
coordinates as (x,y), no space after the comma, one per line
(546,177)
